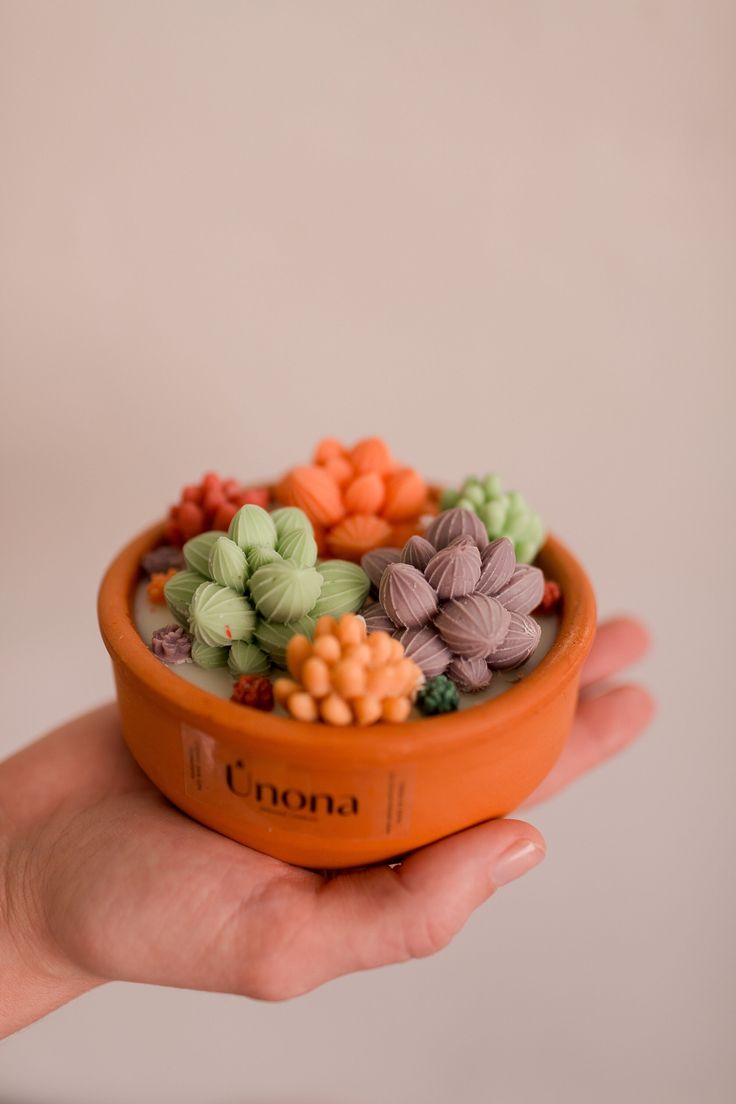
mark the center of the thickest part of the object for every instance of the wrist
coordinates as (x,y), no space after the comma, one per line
(35,978)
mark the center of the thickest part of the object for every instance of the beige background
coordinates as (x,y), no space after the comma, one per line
(502,235)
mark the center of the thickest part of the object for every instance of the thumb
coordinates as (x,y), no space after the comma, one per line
(448,880)
(390,914)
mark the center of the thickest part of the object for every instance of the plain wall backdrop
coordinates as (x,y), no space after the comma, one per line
(502,235)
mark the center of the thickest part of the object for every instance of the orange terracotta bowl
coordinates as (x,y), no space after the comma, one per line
(322,797)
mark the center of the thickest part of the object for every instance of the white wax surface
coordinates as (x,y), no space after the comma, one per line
(149,616)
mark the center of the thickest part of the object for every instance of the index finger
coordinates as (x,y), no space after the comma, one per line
(619,642)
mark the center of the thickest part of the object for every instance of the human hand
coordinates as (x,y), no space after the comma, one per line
(105,880)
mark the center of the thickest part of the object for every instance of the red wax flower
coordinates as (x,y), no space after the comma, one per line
(211,504)
(255,691)
(551,598)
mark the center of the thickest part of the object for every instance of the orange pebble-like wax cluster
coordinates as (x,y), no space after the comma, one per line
(346,677)
(357,499)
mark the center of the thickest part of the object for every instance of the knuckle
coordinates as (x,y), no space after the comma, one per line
(271,971)
(267,984)
(427,934)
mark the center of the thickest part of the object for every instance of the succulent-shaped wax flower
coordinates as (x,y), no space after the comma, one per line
(254,691)
(197,551)
(345,677)
(519,643)
(456,523)
(299,547)
(288,519)
(209,656)
(502,514)
(344,589)
(284,591)
(179,591)
(417,551)
(427,648)
(551,598)
(219,615)
(258,555)
(453,615)
(524,590)
(358,498)
(377,620)
(156,584)
(454,571)
(497,565)
(227,564)
(407,596)
(253,526)
(247,659)
(267,562)
(160,560)
(274,639)
(438,695)
(172,644)
(469,675)
(473,626)
(374,563)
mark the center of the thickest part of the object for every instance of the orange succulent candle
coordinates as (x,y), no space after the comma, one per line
(346,677)
(358,499)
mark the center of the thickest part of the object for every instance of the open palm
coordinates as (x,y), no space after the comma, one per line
(112,882)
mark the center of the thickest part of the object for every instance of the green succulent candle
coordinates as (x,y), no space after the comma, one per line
(228,565)
(179,591)
(290,519)
(344,590)
(253,526)
(209,656)
(274,638)
(247,659)
(266,561)
(284,591)
(219,615)
(197,552)
(260,554)
(503,514)
(298,547)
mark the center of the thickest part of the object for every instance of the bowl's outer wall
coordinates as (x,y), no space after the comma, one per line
(341,813)
(339,798)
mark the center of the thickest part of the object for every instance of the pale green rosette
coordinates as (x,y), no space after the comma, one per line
(218,615)
(228,565)
(298,547)
(273,638)
(179,591)
(503,514)
(252,525)
(247,659)
(259,554)
(344,589)
(197,552)
(289,519)
(208,656)
(284,591)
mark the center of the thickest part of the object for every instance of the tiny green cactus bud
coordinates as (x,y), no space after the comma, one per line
(438,695)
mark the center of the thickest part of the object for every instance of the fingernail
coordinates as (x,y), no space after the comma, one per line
(515,861)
